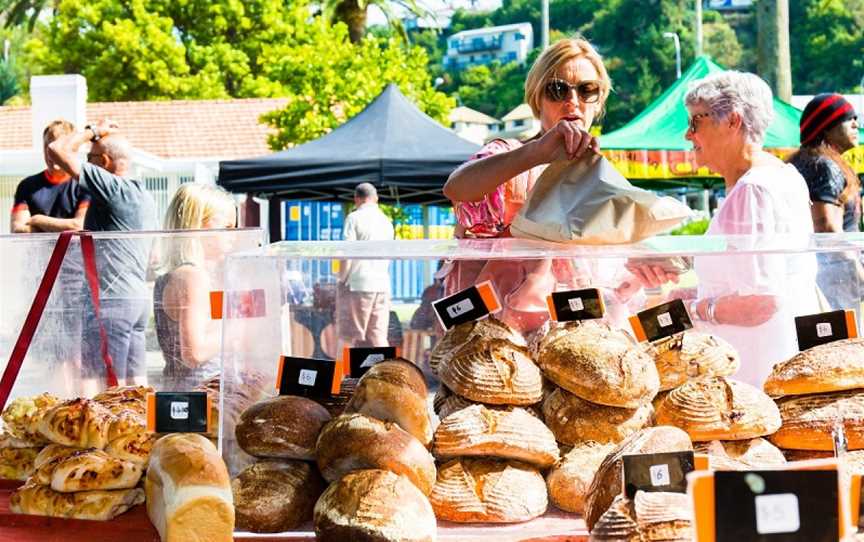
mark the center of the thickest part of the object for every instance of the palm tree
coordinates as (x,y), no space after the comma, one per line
(354,13)
(17,12)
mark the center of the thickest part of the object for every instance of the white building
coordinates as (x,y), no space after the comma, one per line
(507,43)
(473,125)
(519,123)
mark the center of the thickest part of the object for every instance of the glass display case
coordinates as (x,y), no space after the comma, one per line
(746,290)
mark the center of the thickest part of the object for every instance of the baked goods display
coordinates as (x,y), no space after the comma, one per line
(834,366)
(648,517)
(284,427)
(717,408)
(574,420)
(39,500)
(21,417)
(459,336)
(568,482)
(445,402)
(374,506)
(275,495)
(741,454)
(808,421)
(692,354)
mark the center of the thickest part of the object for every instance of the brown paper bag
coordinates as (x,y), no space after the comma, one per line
(589,202)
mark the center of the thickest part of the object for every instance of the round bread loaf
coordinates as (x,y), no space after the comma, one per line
(607,481)
(355,441)
(617,524)
(284,427)
(569,481)
(488,490)
(808,421)
(394,390)
(717,408)
(756,453)
(445,403)
(508,434)
(374,506)
(574,420)
(834,366)
(693,354)
(495,372)
(273,495)
(458,336)
(655,516)
(601,364)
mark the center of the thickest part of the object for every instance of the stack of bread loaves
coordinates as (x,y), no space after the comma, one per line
(97,451)
(819,391)
(375,456)
(605,382)
(492,447)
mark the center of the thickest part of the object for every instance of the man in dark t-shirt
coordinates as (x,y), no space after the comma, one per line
(50,201)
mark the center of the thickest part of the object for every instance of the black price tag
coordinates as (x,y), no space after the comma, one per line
(178,412)
(661,321)
(861,505)
(576,305)
(826,327)
(309,377)
(360,360)
(468,305)
(788,506)
(657,472)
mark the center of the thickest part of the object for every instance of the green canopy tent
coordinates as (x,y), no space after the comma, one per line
(651,149)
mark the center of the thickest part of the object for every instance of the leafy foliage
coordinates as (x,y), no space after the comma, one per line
(8,82)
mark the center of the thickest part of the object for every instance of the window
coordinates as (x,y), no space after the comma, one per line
(511,56)
(454,44)
(519,36)
(518,123)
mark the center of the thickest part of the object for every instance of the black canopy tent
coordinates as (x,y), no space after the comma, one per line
(391,144)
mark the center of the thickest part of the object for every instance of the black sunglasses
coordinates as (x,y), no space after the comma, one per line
(558,90)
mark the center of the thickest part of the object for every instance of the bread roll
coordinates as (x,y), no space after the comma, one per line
(52,452)
(355,441)
(283,427)
(808,421)
(17,463)
(488,490)
(514,434)
(574,420)
(741,454)
(493,371)
(374,506)
(87,470)
(693,354)
(568,482)
(82,423)
(394,390)
(188,490)
(21,417)
(601,364)
(273,495)
(717,408)
(34,499)
(607,481)
(458,336)
(834,366)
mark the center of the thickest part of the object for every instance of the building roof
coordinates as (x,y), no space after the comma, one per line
(468,115)
(519,113)
(169,129)
(492,30)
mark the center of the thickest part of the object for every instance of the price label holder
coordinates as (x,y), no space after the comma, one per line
(661,321)
(657,472)
(309,377)
(178,412)
(468,305)
(826,327)
(793,505)
(575,305)
(241,304)
(360,360)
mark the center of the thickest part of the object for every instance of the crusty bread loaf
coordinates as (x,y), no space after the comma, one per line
(834,366)
(275,495)
(457,336)
(741,454)
(188,490)
(488,490)
(374,506)
(394,390)
(617,523)
(82,423)
(281,427)
(607,481)
(507,434)
(649,517)
(493,371)
(445,402)
(574,420)
(717,408)
(335,404)
(693,354)
(87,470)
(355,441)
(808,421)
(568,482)
(21,417)
(38,500)
(17,463)
(601,364)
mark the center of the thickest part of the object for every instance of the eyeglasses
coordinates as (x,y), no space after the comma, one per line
(692,126)
(558,90)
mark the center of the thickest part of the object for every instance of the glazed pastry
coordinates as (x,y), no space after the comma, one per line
(17,463)
(21,417)
(87,470)
(35,499)
(82,423)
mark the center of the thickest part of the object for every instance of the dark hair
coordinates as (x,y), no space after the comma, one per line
(812,152)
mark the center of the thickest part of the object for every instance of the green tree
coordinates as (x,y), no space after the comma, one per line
(8,81)
(17,12)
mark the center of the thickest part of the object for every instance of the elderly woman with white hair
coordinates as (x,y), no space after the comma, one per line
(749,300)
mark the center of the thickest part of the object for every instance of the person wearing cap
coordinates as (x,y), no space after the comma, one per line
(829,127)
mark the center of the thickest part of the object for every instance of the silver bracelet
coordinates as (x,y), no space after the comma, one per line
(712,310)
(693,309)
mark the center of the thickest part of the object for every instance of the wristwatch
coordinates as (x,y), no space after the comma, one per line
(96,136)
